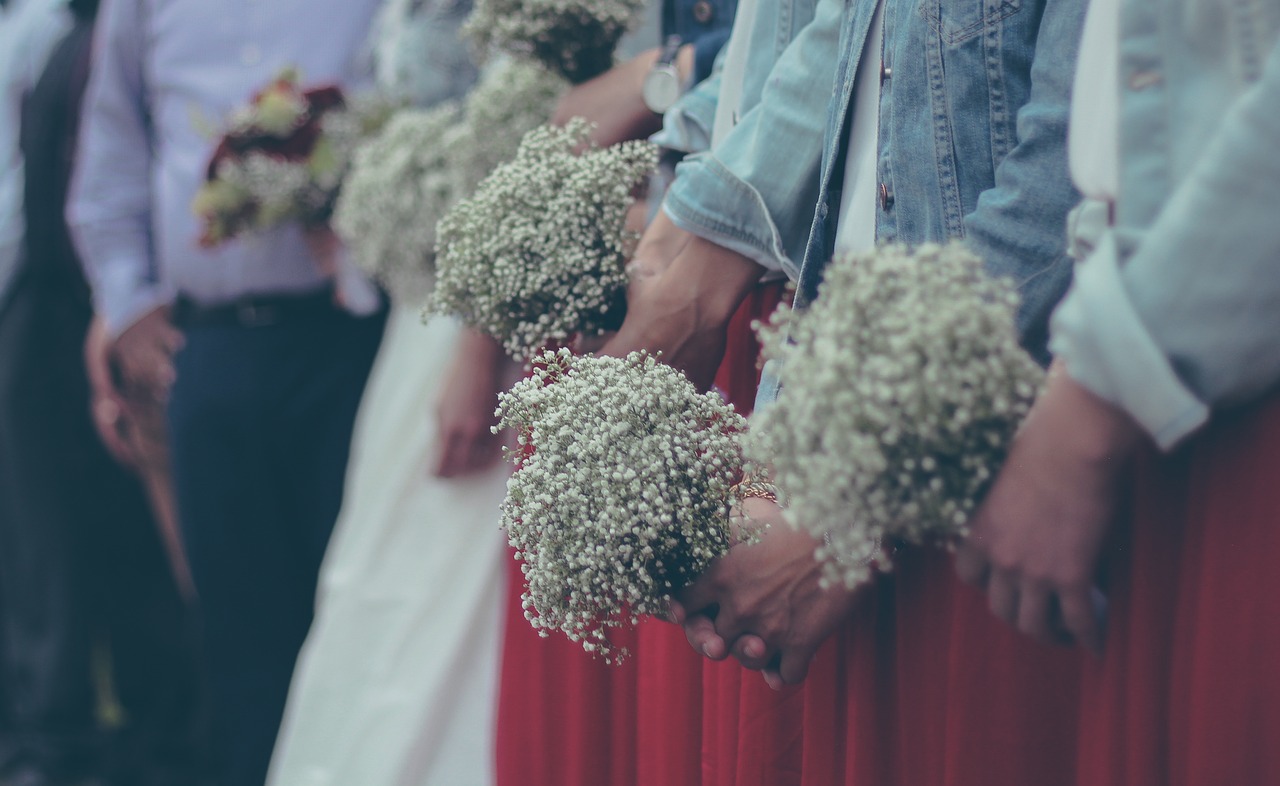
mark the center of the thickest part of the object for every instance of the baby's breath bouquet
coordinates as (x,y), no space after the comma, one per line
(621,494)
(512,98)
(902,386)
(538,253)
(282,158)
(406,177)
(574,38)
(401,182)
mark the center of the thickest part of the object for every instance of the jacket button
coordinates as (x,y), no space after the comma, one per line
(703,12)
(885,72)
(886,197)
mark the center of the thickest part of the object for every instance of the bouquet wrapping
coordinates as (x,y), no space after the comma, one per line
(282,158)
(538,254)
(902,387)
(621,495)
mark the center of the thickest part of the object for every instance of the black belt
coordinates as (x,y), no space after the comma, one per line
(258,310)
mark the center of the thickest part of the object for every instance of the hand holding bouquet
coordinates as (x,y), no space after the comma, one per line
(622,489)
(902,387)
(538,254)
(282,158)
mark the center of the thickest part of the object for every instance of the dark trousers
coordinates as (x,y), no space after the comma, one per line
(260,423)
(85,585)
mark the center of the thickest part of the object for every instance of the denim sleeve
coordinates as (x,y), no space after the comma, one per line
(109,210)
(686,127)
(1198,302)
(744,195)
(1019,225)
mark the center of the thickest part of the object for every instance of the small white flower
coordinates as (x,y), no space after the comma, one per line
(902,386)
(595,553)
(538,253)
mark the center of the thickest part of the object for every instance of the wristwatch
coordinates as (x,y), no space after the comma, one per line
(662,85)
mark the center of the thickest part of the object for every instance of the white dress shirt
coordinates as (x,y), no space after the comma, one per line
(165,77)
(29,29)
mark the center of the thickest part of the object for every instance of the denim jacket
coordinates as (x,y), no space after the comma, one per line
(1177,311)
(973,114)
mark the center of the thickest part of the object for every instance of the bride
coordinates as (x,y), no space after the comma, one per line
(396,682)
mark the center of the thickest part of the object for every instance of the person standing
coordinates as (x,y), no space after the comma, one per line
(261,372)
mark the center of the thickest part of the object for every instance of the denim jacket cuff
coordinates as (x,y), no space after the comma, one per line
(686,127)
(1106,347)
(709,201)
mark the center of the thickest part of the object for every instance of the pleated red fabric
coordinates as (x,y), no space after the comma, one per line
(1188,690)
(921,686)
(565,718)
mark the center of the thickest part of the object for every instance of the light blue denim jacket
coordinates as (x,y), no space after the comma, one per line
(1177,311)
(973,115)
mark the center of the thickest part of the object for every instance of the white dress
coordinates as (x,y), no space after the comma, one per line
(396,684)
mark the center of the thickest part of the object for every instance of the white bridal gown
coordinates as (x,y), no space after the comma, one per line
(396,683)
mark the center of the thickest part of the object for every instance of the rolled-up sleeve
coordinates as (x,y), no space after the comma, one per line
(109,209)
(1190,320)
(745,195)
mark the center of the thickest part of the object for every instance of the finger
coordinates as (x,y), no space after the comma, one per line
(1080,618)
(752,652)
(729,626)
(972,565)
(701,633)
(1034,613)
(450,459)
(773,679)
(1002,596)
(794,665)
(675,612)
(107,415)
(702,593)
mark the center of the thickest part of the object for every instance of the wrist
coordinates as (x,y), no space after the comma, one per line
(1095,430)
(715,278)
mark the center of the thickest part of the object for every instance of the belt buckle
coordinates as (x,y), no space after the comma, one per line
(253,314)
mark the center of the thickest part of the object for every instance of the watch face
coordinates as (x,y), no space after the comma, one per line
(661,89)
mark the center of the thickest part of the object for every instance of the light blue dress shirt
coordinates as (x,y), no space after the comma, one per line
(28,31)
(165,75)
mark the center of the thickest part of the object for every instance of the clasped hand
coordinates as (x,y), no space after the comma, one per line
(763,602)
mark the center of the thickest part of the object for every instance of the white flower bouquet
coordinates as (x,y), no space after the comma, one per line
(405,178)
(283,158)
(538,253)
(574,38)
(512,98)
(621,494)
(401,182)
(902,386)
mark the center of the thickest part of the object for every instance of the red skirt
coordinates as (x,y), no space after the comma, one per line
(1188,690)
(565,718)
(920,686)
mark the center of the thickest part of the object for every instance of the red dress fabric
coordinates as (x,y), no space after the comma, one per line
(565,718)
(1188,690)
(921,686)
